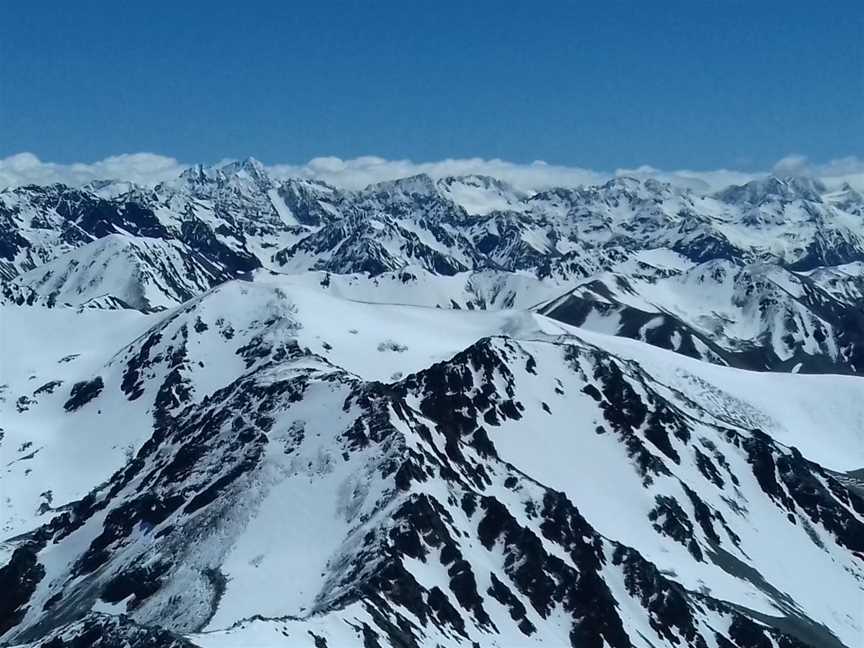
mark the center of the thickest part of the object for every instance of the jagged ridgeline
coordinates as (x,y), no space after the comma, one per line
(243,411)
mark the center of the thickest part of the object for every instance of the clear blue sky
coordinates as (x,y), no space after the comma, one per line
(693,84)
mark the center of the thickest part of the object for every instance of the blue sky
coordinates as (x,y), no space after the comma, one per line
(698,84)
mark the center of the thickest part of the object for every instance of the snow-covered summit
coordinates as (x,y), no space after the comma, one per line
(786,189)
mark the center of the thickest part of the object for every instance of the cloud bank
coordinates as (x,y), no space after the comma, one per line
(143,168)
(149,169)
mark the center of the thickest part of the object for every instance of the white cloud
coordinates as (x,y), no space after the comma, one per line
(698,181)
(792,165)
(149,169)
(142,168)
(363,171)
(848,170)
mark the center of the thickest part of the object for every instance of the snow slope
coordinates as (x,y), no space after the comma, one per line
(758,316)
(302,463)
(146,274)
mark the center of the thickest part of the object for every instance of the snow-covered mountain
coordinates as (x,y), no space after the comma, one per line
(756,316)
(241,411)
(138,272)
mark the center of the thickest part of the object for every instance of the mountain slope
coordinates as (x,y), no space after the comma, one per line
(434,510)
(758,316)
(143,273)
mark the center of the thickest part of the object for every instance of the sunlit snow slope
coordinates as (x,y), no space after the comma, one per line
(270,460)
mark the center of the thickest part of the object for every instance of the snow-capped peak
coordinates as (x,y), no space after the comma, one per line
(785,189)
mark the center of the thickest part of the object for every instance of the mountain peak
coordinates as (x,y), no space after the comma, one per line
(628,183)
(245,171)
(774,188)
(477,180)
(248,165)
(422,183)
(196,172)
(482,194)
(635,186)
